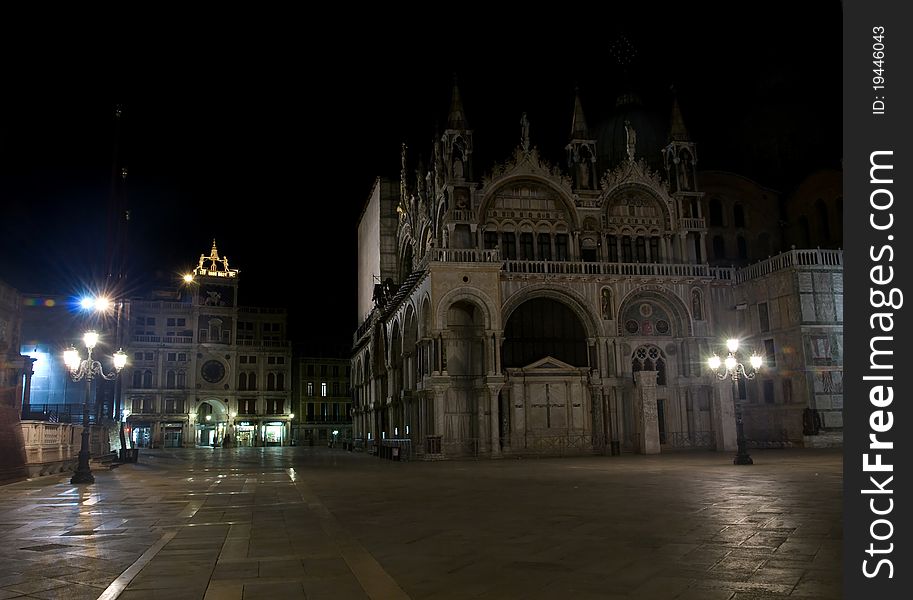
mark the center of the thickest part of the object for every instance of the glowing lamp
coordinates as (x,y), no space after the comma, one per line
(188,278)
(120,359)
(756,361)
(730,363)
(101,304)
(87,303)
(714,362)
(732,344)
(209,417)
(71,358)
(91,339)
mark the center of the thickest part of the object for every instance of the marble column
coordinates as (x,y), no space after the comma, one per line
(645,413)
(723,415)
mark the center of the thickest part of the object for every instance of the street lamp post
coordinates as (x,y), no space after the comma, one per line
(87,369)
(732,369)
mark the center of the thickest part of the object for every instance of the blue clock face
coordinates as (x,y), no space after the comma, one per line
(213,371)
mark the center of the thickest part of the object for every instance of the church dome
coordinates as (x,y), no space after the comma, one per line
(651,130)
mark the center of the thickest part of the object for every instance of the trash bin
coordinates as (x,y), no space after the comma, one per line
(395,453)
(129,455)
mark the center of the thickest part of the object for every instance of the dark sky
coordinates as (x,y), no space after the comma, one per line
(270,142)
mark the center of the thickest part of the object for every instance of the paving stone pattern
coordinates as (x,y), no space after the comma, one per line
(287,523)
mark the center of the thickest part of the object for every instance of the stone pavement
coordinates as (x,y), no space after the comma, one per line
(286,523)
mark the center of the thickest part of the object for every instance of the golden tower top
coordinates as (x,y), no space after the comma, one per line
(217,267)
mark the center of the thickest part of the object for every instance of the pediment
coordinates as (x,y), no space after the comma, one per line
(550,363)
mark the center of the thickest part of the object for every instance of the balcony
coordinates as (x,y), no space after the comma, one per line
(265,343)
(459,255)
(690,224)
(148,339)
(804,259)
(610,269)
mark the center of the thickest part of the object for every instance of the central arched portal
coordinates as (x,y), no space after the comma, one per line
(543,327)
(545,401)
(211,423)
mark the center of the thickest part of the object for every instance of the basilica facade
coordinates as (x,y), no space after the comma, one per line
(530,308)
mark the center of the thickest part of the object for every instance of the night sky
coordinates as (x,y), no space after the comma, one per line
(270,143)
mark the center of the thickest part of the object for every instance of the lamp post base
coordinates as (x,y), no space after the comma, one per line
(82,477)
(83,473)
(742,459)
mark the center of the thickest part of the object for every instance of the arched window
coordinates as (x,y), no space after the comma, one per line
(526,246)
(509,249)
(719,247)
(182,379)
(215,330)
(271,382)
(137,379)
(650,358)
(654,249)
(490,240)
(738,215)
(252,381)
(612,243)
(544,242)
(561,246)
(170,380)
(641,244)
(242,381)
(147,379)
(627,253)
(824,225)
(280,382)
(743,247)
(716,212)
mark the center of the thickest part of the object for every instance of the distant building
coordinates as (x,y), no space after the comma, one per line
(204,371)
(546,309)
(323,400)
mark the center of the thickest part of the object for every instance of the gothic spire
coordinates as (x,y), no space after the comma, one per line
(579,129)
(677,131)
(457,118)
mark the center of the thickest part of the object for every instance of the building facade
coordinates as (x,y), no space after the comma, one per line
(539,309)
(204,371)
(323,400)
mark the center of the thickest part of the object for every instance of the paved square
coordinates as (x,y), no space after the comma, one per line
(277,523)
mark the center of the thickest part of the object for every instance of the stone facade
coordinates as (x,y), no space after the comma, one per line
(323,400)
(203,370)
(526,306)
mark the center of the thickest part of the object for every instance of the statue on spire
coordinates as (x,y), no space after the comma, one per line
(630,139)
(524,133)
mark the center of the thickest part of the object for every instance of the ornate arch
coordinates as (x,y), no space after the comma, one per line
(617,194)
(568,297)
(425,322)
(561,194)
(215,403)
(665,298)
(472,295)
